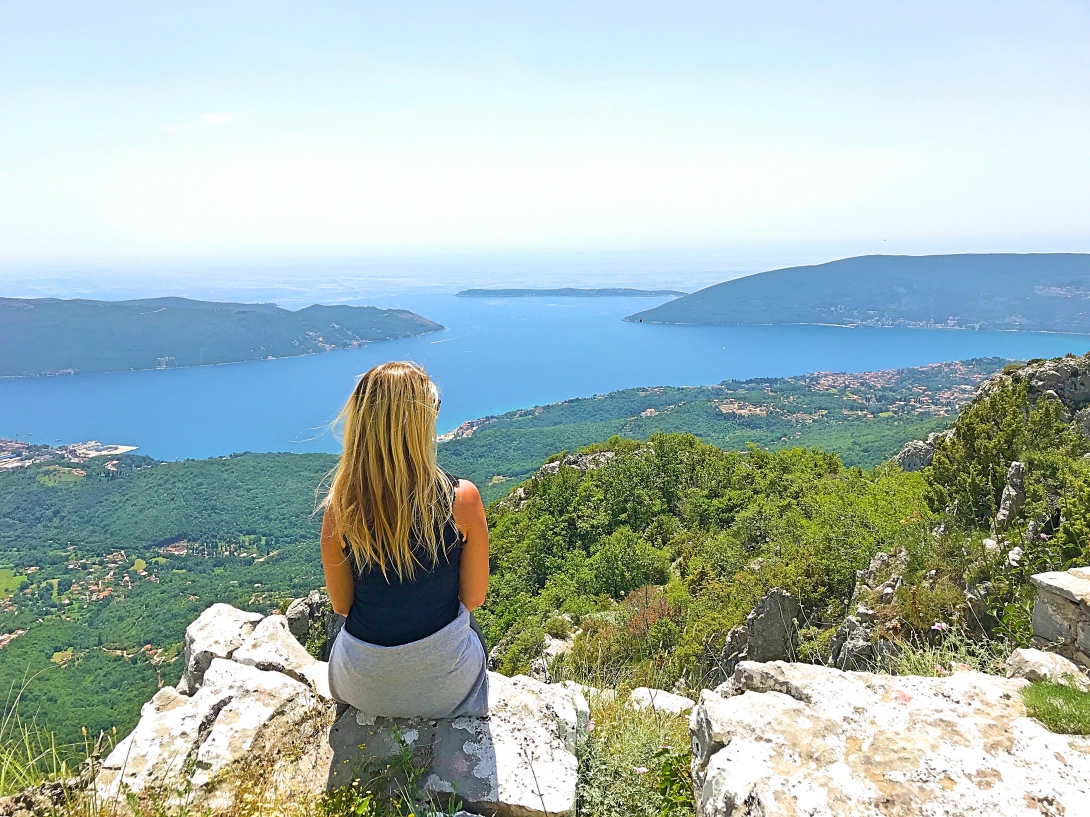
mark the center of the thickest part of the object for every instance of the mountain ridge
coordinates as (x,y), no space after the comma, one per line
(41,336)
(1007,291)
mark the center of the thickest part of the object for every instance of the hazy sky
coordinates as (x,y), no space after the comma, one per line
(151,129)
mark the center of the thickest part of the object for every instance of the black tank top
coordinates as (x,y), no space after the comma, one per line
(392,612)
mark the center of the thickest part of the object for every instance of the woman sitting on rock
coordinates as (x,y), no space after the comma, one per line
(405,552)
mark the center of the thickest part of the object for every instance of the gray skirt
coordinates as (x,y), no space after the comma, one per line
(441,676)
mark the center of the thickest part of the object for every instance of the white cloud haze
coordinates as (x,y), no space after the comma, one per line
(490,126)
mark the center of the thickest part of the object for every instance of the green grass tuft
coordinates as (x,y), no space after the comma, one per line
(1061,708)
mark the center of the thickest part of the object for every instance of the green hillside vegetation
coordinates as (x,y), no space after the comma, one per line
(656,555)
(864,417)
(1042,292)
(51,336)
(653,558)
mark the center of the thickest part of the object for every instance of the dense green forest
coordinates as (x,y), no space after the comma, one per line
(653,557)
(659,553)
(51,335)
(1045,291)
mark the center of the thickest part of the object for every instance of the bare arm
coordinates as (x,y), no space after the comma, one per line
(338,572)
(470,519)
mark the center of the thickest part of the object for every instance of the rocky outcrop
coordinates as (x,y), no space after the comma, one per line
(580,462)
(1013,497)
(239,719)
(854,646)
(915,455)
(1067,379)
(1061,613)
(799,739)
(1036,665)
(520,761)
(259,710)
(769,633)
(314,623)
(881,579)
(217,633)
(271,646)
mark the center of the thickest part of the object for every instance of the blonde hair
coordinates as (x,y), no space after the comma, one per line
(388,489)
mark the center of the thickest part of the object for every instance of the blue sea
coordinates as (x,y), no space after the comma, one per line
(495,355)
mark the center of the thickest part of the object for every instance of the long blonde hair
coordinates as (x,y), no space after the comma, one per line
(388,489)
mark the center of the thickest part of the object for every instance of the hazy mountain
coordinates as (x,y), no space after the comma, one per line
(50,335)
(567,292)
(1048,292)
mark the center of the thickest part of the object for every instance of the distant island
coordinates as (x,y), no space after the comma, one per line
(45,336)
(569,292)
(1033,292)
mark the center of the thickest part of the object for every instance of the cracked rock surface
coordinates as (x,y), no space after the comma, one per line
(799,739)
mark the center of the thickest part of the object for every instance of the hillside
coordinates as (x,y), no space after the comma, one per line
(1038,292)
(864,417)
(53,336)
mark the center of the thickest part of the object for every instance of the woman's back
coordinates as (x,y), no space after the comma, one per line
(388,611)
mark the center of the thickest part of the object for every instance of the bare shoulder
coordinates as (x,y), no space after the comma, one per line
(466,493)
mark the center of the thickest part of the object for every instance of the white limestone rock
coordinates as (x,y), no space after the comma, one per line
(216,633)
(240,717)
(660,701)
(799,739)
(271,646)
(519,761)
(589,693)
(1061,613)
(317,675)
(1037,665)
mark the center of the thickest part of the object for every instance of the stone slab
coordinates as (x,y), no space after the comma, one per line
(797,739)
(519,761)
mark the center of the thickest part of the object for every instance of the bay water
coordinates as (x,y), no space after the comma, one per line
(496,354)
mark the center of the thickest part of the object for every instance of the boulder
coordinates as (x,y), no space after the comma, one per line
(271,646)
(1036,665)
(216,633)
(800,739)
(769,633)
(659,700)
(915,455)
(580,462)
(301,612)
(233,722)
(1061,613)
(314,624)
(519,761)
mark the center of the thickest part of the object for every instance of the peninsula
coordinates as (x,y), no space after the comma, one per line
(44,336)
(1047,292)
(569,292)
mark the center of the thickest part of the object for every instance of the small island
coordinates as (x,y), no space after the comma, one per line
(51,336)
(570,292)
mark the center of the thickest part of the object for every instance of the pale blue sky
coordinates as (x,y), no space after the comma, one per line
(237,129)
